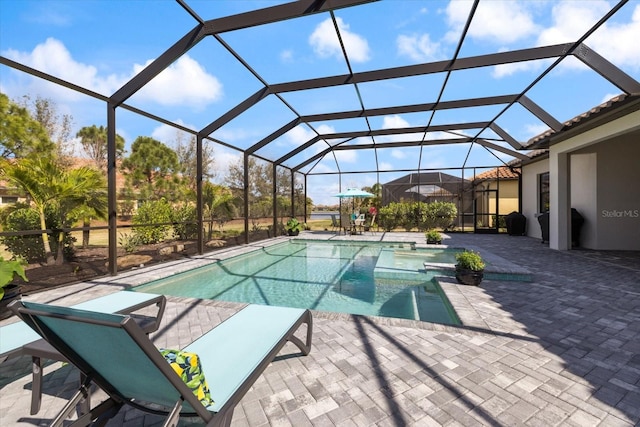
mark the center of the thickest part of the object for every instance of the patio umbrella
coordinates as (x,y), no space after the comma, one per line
(354,193)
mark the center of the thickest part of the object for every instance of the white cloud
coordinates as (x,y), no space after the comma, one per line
(532,130)
(184,82)
(286,55)
(52,57)
(494,21)
(505,70)
(299,135)
(394,122)
(223,158)
(398,154)
(617,42)
(419,48)
(571,20)
(386,166)
(168,134)
(346,156)
(325,43)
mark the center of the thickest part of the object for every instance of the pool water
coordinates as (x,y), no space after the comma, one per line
(328,276)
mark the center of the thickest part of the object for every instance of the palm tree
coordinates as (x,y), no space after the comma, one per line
(82,193)
(50,185)
(218,202)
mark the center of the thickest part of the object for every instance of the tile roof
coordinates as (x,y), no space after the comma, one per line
(611,104)
(502,173)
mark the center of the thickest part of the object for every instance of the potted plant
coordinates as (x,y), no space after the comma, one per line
(433,237)
(469,268)
(9,291)
(293,227)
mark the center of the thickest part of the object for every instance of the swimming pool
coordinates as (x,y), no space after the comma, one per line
(343,277)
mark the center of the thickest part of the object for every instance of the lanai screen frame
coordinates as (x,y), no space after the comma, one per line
(216,27)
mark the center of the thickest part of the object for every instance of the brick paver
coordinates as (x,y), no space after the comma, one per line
(563,349)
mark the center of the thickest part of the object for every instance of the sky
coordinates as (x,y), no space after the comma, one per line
(102,44)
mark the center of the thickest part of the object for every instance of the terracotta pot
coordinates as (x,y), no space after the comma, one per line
(11,293)
(469,277)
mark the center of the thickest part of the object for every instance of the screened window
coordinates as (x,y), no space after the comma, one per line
(543,192)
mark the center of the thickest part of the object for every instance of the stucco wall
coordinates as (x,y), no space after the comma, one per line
(584,195)
(612,211)
(618,190)
(530,195)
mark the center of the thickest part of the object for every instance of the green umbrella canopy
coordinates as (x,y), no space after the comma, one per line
(353,192)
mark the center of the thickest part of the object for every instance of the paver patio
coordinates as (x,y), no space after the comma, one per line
(563,349)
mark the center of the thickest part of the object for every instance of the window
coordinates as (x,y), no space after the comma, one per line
(8,199)
(543,192)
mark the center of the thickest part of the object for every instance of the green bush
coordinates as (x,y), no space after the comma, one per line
(293,225)
(388,216)
(30,247)
(129,242)
(408,215)
(438,215)
(433,236)
(185,227)
(470,260)
(152,212)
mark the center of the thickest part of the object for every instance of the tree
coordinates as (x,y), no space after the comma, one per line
(50,186)
(186,152)
(94,142)
(20,134)
(153,168)
(260,182)
(82,194)
(57,126)
(218,205)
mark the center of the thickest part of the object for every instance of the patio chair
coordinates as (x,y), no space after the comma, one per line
(19,339)
(114,352)
(359,223)
(346,223)
(335,225)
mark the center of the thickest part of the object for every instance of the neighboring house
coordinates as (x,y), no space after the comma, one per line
(496,191)
(431,187)
(9,196)
(593,165)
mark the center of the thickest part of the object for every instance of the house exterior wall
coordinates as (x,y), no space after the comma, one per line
(618,203)
(584,193)
(597,172)
(530,193)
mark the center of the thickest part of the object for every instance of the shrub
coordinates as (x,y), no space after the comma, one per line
(152,212)
(293,225)
(129,242)
(433,236)
(469,260)
(185,226)
(437,215)
(388,216)
(30,247)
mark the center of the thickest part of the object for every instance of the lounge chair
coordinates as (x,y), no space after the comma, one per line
(19,339)
(113,352)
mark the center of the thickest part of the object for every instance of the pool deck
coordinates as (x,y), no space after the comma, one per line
(562,349)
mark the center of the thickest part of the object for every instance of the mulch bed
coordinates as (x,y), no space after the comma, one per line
(92,262)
